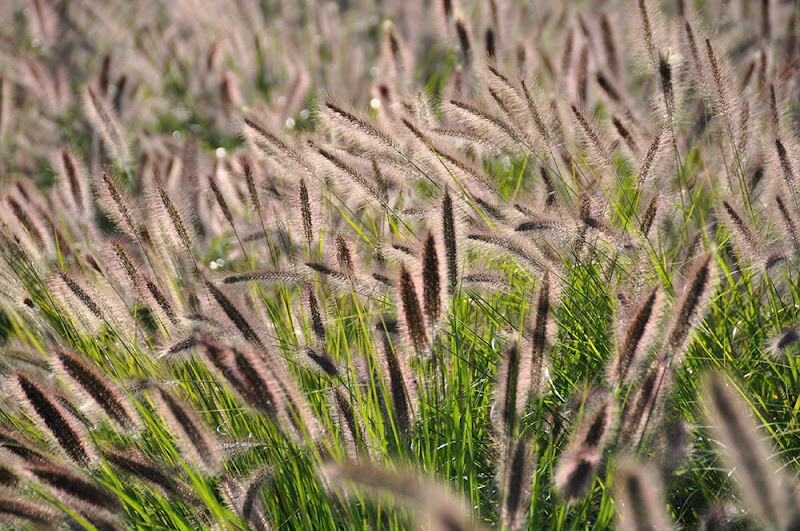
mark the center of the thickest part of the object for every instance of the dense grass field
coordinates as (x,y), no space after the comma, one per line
(446,264)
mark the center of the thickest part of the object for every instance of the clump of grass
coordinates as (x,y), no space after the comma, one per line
(454,264)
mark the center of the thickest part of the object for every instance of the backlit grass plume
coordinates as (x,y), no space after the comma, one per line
(412,316)
(65,430)
(769,493)
(433,507)
(640,499)
(84,379)
(192,436)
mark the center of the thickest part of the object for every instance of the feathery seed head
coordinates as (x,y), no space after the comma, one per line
(85,380)
(641,505)
(431,280)
(193,438)
(411,312)
(69,435)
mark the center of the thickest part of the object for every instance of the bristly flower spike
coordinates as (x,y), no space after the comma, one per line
(411,311)
(431,280)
